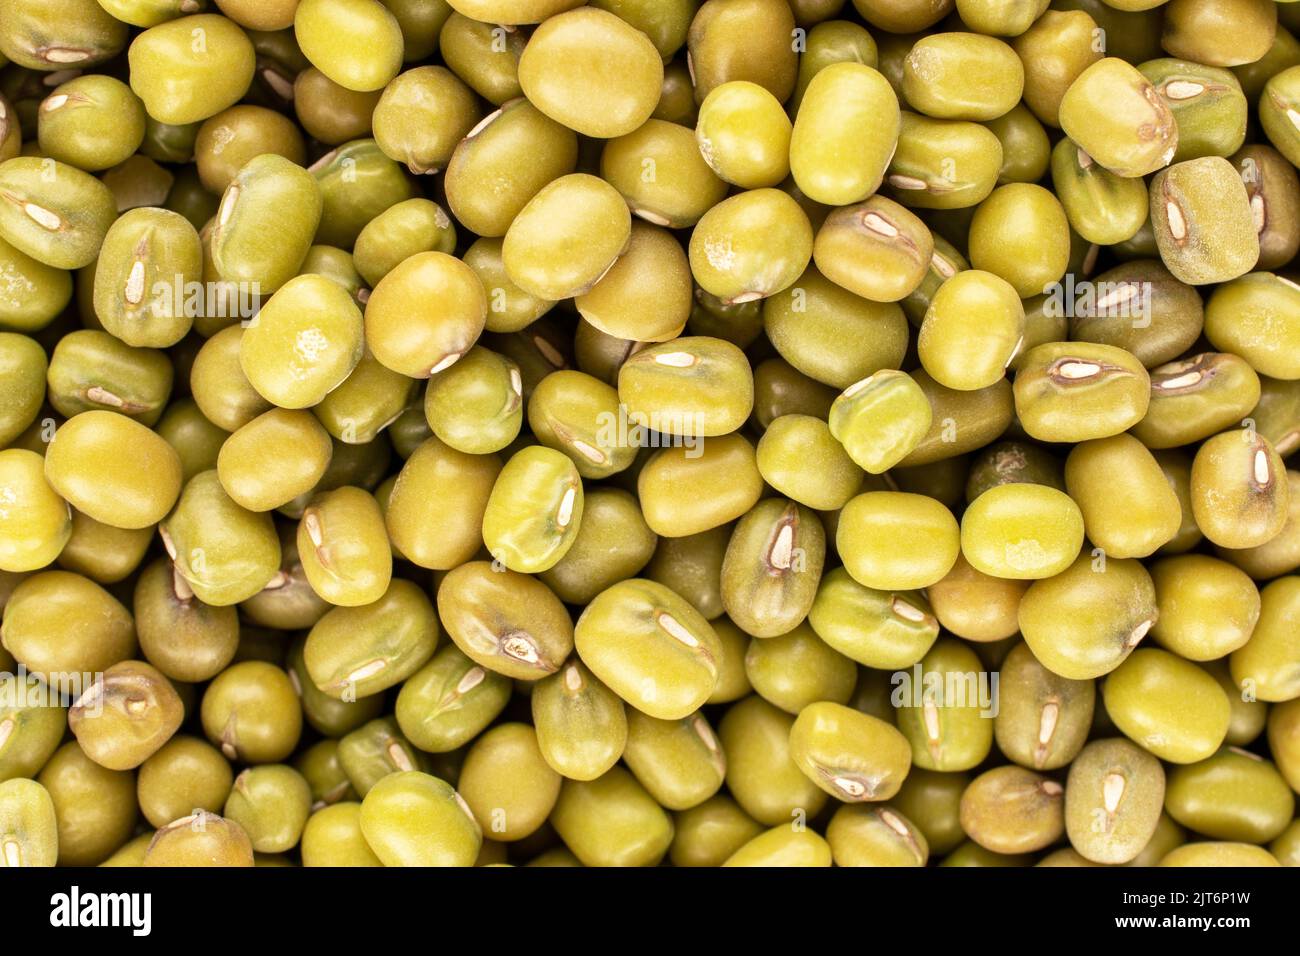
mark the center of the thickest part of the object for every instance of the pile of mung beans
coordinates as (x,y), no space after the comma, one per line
(637,432)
